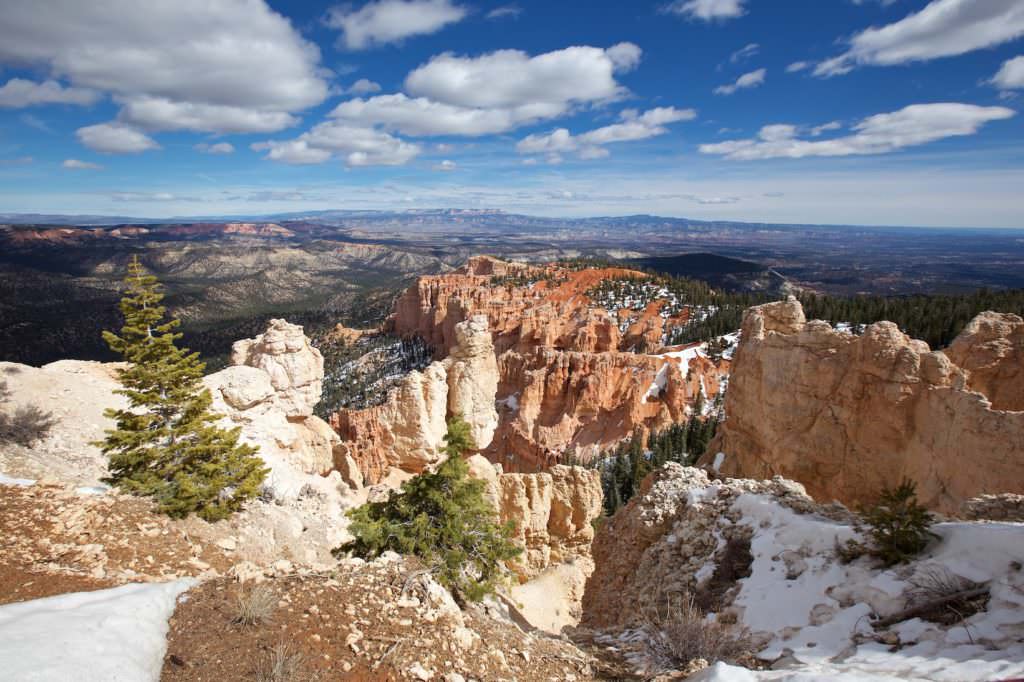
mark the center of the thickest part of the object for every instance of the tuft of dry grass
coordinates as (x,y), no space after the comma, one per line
(281,664)
(255,605)
(682,634)
(936,584)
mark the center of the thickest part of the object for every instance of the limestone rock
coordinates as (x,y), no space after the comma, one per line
(472,371)
(848,415)
(296,369)
(406,432)
(991,350)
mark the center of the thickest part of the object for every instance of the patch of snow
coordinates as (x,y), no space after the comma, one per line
(658,385)
(511,402)
(92,489)
(7,480)
(115,635)
(719,461)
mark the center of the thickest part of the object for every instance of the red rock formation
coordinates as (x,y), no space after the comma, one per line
(566,382)
(848,415)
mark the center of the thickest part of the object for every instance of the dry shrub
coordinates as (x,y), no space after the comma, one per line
(681,634)
(935,583)
(281,664)
(26,425)
(256,605)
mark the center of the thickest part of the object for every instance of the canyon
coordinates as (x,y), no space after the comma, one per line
(565,370)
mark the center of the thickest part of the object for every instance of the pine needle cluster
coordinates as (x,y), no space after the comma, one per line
(166,445)
(443,518)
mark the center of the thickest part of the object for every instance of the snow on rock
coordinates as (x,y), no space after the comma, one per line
(808,614)
(115,635)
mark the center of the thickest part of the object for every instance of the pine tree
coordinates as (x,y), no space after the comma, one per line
(166,445)
(443,518)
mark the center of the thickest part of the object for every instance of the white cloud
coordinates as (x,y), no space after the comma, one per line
(214,66)
(157,113)
(216,148)
(494,93)
(114,138)
(1010,75)
(825,127)
(747,80)
(511,78)
(75,164)
(744,52)
(363,86)
(18,92)
(944,28)
(357,146)
(422,116)
(589,145)
(797,66)
(389,21)
(505,11)
(707,10)
(911,126)
(445,166)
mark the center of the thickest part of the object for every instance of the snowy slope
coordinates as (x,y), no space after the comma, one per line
(816,609)
(115,635)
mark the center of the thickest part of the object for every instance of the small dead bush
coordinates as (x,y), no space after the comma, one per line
(282,664)
(935,584)
(682,634)
(26,425)
(255,605)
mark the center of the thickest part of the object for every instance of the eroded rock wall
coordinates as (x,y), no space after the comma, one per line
(848,415)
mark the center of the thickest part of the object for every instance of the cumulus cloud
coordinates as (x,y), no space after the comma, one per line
(75,164)
(589,145)
(944,28)
(707,10)
(1010,75)
(114,138)
(797,66)
(356,146)
(229,66)
(445,166)
(389,21)
(158,113)
(216,148)
(494,93)
(911,126)
(19,92)
(747,80)
(745,52)
(363,86)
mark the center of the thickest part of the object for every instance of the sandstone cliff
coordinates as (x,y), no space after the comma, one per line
(847,415)
(407,431)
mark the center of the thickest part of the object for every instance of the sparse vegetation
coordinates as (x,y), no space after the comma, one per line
(681,633)
(897,526)
(166,445)
(281,664)
(443,518)
(26,425)
(944,596)
(256,605)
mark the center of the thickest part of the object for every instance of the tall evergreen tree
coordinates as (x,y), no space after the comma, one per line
(166,445)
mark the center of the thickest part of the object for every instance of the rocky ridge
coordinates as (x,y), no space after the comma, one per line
(848,414)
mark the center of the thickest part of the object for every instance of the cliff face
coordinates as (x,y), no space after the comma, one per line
(848,415)
(568,379)
(407,431)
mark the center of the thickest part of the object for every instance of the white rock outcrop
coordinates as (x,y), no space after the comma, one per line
(472,369)
(295,368)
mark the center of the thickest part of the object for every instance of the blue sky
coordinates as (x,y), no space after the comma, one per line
(895,112)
